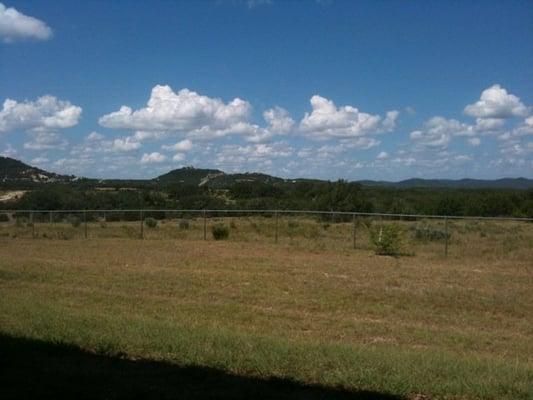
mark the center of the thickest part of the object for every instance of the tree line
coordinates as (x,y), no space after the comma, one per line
(301,195)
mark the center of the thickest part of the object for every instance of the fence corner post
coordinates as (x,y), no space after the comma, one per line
(141,217)
(205,224)
(354,232)
(276,233)
(446,237)
(32,220)
(85,222)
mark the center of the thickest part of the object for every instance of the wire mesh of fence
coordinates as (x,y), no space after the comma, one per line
(350,229)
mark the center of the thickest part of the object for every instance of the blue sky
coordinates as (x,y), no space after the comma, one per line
(329,89)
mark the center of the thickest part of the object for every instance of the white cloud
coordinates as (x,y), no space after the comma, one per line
(495,102)
(488,125)
(43,140)
(279,120)
(185,111)
(183,145)
(178,157)
(438,132)
(39,161)
(382,155)
(9,151)
(95,136)
(326,121)
(196,116)
(125,144)
(260,155)
(154,157)
(474,142)
(16,26)
(46,113)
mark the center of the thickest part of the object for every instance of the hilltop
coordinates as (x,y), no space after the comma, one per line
(17,174)
(15,171)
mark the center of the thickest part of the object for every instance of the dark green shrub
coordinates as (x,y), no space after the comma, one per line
(150,222)
(427,233)
(184,224)
(4,218)
(21,221)
(220,232)
(387,239)
(74,221)
(293,224)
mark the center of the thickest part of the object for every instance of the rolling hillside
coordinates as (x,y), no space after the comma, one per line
(15,173)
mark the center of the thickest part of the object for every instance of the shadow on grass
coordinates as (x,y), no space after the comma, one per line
(36,369)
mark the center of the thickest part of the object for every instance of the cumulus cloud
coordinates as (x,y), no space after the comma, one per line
(46,113)
(125,144)
(382,155)
(9,151)
(496,102)
(152,158)
(39,161)
(184,111)
(178,157)
(94,137)
(438,132)
(43,140)
(196,116)
(16,26)
(257,154)
(183,145)
(474,142)
(326,121)
(279,120)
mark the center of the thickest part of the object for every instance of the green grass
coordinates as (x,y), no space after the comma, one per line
(343,322)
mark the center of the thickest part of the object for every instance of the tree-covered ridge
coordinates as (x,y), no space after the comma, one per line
(191,188)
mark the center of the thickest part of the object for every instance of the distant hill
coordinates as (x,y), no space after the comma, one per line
(189,176)
(15,171)
(212,177)
(466,183)
(16,174)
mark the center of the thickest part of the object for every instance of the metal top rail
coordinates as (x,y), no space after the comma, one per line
(307,212)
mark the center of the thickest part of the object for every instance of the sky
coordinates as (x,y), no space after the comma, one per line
(330,89)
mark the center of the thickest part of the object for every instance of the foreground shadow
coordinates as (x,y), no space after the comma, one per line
(36,369)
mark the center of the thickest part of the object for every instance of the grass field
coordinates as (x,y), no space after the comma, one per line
(174,316)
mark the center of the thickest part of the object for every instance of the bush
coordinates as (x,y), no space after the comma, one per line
(293,224)
(427,233)
(387,240)
(21,221)
(4,218)
(233,225)
(184,224)
(74,221)
(220,232)
(150,222)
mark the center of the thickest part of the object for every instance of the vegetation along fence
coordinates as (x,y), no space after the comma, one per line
(393,234)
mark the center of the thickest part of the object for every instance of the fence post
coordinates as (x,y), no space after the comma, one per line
(354,232)
(445,237)
(85,223)
(205,225)
(32,220)
(276,234)
(51,218)
(142,223)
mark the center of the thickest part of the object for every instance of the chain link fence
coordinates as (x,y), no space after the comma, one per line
(318,229)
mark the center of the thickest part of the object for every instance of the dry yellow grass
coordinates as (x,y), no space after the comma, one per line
(468,316)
